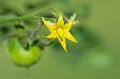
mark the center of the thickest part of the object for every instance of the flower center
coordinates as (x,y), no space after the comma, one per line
(60,33)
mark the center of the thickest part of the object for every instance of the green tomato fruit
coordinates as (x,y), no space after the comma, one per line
(22,57)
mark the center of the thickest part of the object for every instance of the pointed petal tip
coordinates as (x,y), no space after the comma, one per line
(73,40)
(60,21)
(43,20)
(74,15)
(60,16)
(48,37)
(76,41)
(66,50)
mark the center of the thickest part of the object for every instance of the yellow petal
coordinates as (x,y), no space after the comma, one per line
(52,35)
(49,25)
(68,35)
(63,43)
(70,23)
(60,22)
(59,32)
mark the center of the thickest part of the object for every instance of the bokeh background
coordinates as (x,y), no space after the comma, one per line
(96,56)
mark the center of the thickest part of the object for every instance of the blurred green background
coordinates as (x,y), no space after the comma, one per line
(97,54)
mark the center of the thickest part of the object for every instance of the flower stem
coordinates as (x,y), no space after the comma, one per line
(12,18)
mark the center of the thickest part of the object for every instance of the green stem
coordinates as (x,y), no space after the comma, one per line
(8,19)
(15,18)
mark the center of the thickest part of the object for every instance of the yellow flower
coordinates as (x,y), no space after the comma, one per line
(60,30)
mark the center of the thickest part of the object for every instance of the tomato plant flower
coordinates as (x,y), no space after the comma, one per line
(60,30)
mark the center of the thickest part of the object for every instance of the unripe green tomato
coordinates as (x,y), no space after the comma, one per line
(22,57)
